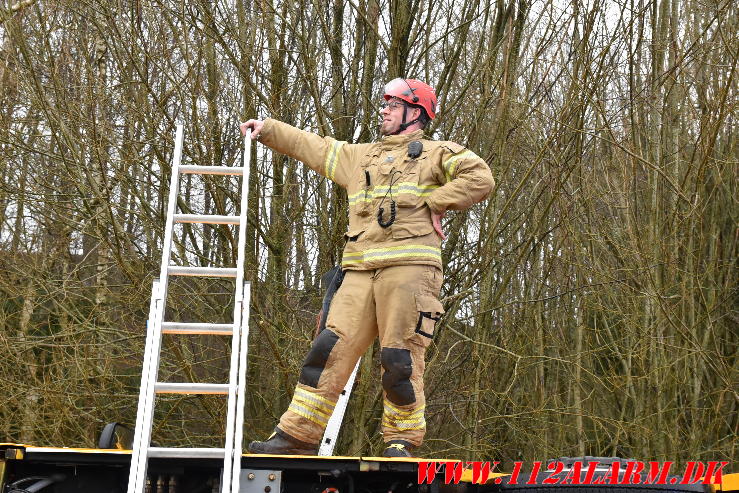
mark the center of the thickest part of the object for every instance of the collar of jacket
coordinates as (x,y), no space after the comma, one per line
(390,141)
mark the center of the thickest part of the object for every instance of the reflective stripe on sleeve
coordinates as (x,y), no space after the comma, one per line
(450,165)
(332,158)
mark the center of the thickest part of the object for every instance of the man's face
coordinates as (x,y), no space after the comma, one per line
(392,116)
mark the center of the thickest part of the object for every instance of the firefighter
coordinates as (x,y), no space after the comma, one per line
(398,189)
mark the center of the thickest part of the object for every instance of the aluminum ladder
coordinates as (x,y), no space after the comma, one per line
(331,434)
(156,326)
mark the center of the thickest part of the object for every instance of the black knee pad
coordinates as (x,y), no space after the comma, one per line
(396,380)
(315,360)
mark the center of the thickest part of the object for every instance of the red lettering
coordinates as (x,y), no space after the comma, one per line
(693,472)
(573,476)
(534,472)
(631,475)
(427,472)
(453,472)
(607,476)
(552,476)
(599,480)
(658,472)
(481,471)
(513,479)
(714,476)
(612,474)
(592,466)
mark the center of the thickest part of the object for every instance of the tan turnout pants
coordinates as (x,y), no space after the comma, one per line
(398,304)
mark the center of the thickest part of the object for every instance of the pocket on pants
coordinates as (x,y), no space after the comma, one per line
(430,311)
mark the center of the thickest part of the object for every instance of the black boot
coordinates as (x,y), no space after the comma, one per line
(280,443)
(398,448)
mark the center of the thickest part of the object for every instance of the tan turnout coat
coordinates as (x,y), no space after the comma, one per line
(445,176)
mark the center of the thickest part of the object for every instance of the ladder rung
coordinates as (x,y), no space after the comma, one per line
(206,219)
(191,388)
(176,270)
(187,453)
(197,328)
(195,169)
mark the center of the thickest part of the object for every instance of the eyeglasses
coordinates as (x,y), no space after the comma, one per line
(392,105)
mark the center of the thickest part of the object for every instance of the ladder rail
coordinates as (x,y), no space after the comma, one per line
(174,188)
(241,392)
(232,448)
(148,416)
(331,433)
(243,349)
(144,431)
(143,391)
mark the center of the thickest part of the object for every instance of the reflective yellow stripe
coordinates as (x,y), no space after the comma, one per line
(314,400)
(403,419)
(332,158)
(311,406)
(407,424)
(393,412)
(311,409)
(313,395)
(307,414)
(363,196)
(414,189)
(402,187)
(416,416)
(402,426)
(400,422)
(405,412)
(402,248)
(392,252)
(450,165)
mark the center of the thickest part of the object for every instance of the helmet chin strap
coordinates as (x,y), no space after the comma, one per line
(405,124)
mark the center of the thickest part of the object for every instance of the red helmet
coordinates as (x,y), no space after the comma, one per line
(414,92)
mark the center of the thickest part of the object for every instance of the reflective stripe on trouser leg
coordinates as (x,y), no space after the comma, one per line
(351,328)
(311,406)
(407,419)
